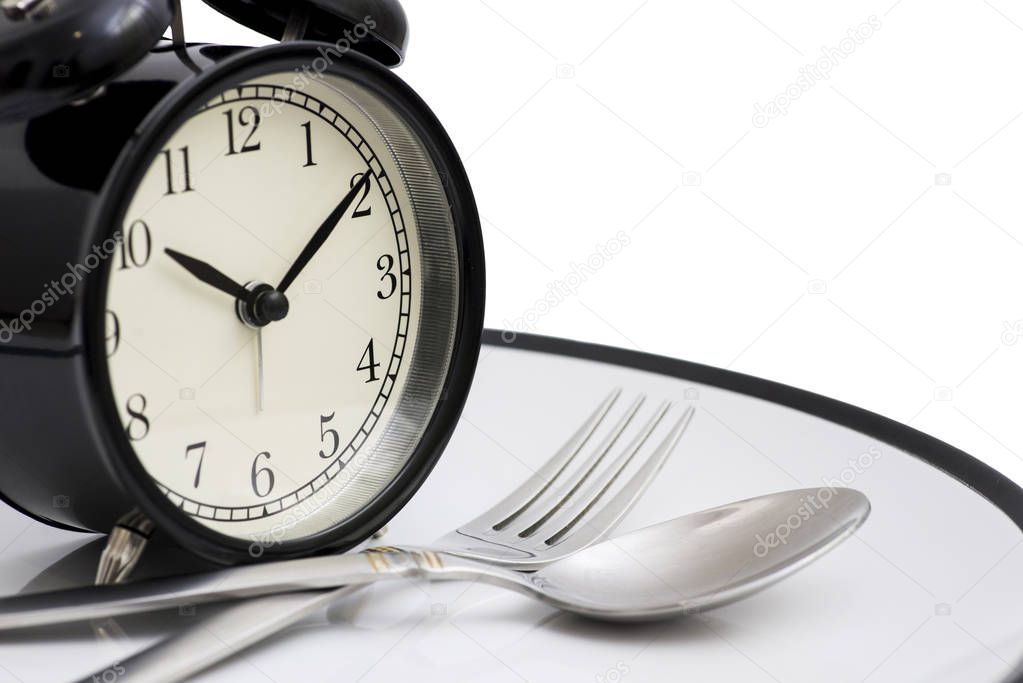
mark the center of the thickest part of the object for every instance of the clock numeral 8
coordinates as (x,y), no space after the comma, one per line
(265,472)
(138,426)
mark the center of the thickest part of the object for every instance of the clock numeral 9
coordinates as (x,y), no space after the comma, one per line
(247,117)
(186,173)
(359,211)
(368,363)
(136,245)
(264,474)
(113,333)
(138,426)
(332,433)
(385,264)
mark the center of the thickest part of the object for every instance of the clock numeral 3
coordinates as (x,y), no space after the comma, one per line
(308,144)
(113,333)
(262,473)
(385,264)
(201,447)
(368,363)
(136,246)
(186,173)
(248,117)
(138,426)
(332,433)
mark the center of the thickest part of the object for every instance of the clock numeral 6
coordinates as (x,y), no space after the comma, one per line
(264,474)
(138,424)
(136,245)
(172,176)
(113,333)
(248,116)
(369,363)
(332,433)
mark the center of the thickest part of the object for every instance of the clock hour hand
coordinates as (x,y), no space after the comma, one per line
(324,232)
(209,275)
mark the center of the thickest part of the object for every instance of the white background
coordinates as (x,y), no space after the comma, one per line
(864,245)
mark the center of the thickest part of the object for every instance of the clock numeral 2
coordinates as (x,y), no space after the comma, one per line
(247,117)
(138,424)
(265,472)
(136,246)
(308,125)
(201,447)
(359,211)
(186,174)
(368,363)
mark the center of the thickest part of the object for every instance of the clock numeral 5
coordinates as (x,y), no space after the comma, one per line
(262,473)
(332,433)
(138,424)
(136,245)
(247,117)
(172,176)
(369,363)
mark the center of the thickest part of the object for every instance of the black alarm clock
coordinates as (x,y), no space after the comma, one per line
(242,288)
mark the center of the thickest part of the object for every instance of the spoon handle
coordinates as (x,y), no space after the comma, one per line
(317,573)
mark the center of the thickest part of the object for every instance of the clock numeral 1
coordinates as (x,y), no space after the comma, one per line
(186,174)
(368,363)
(332,433)
(113,324)
(264,473)
(138,424)
(308,125)
(136,246)
(201,447)
(247,117)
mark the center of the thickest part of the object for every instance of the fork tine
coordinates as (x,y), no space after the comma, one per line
(607,517)
(551,505)
(515,503)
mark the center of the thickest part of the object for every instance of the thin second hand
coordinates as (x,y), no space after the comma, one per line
(259,366)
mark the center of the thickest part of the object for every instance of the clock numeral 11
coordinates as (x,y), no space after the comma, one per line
(185,174)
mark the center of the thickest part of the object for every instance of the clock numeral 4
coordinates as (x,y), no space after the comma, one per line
(136,245)
(138,424)
(368,363)
(262,474)
(332,433)
(173,177)
(201,449)
(248,117)
(113,325)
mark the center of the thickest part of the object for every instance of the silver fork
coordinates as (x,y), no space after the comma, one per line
(553,514)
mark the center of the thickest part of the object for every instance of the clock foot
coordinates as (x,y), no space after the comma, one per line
(124,548)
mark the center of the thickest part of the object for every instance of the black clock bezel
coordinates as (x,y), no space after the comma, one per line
(135,159)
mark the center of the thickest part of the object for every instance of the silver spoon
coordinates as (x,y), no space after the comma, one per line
(690,564)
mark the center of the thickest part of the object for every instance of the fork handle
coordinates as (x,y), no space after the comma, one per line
(240,625)
(97,602)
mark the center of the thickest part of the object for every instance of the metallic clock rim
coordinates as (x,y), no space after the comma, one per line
(157,127)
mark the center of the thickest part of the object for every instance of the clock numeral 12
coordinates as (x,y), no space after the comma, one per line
(244,121)
(169,165)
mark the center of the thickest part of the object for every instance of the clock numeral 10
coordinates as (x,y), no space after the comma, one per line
(138,424)
(369,363)
(136,245)
(247,117)
(185,175)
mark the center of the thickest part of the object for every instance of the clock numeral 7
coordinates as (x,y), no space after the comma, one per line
(369,363)
(173,176)
(201,447)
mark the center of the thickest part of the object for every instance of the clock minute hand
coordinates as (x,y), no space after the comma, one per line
(209,275)
(323,233)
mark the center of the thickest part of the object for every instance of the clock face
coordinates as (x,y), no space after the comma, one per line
(266,304)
